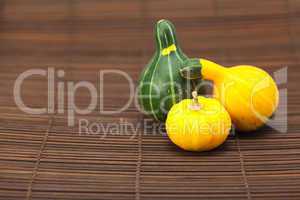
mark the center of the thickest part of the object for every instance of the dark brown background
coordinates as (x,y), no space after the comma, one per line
(42,158)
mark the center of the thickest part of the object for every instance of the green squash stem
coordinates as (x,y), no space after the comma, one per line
(191,69)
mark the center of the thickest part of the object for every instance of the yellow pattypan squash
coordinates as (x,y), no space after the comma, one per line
(198,124)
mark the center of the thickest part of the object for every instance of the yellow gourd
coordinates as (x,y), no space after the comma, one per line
(200,124)
(248,93)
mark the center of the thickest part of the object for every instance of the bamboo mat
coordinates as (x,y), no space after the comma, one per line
(43,158)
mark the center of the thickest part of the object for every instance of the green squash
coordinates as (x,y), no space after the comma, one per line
(160,84)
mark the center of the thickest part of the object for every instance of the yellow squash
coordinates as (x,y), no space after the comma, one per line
(200,124)
(248,93)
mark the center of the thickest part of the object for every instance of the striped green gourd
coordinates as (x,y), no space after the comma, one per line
(160,84)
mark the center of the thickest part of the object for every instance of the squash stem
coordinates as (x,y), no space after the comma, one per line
(196,105)
(195,97)
(191,69)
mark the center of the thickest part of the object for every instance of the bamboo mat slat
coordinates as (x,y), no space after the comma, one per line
(43,158)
